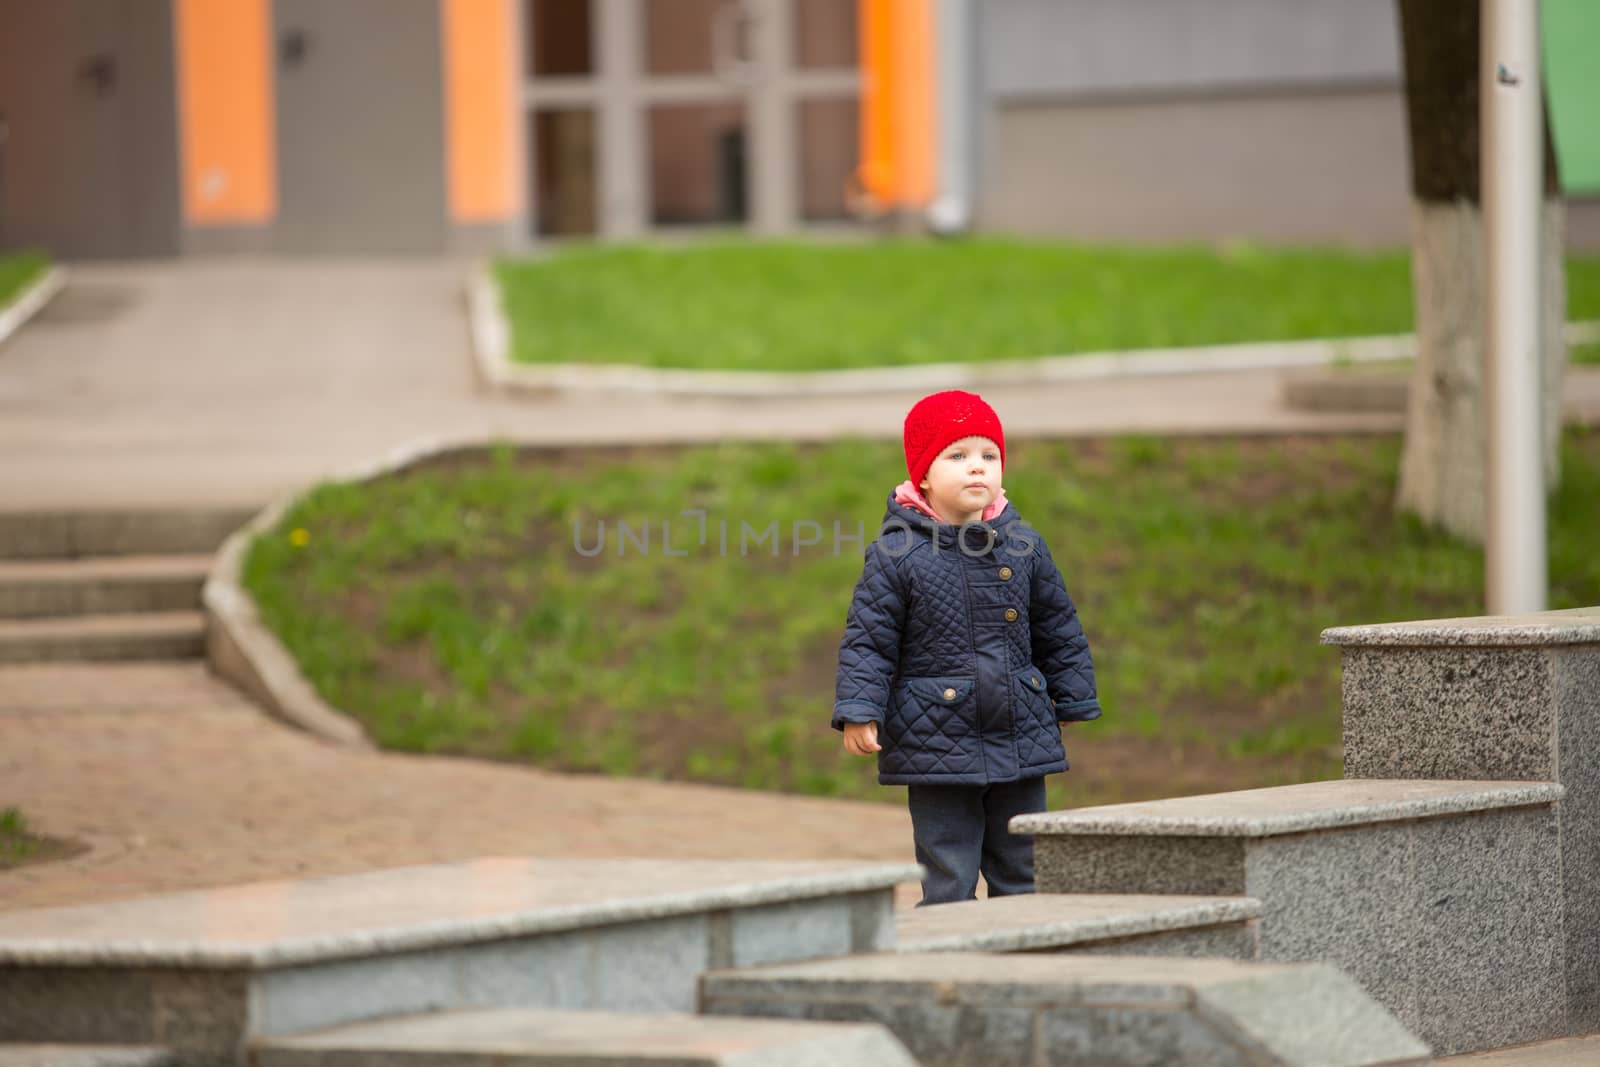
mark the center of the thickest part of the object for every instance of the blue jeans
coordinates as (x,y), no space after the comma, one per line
(960,831)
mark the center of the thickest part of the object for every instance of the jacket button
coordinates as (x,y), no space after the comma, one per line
(1011,615)
(949,694)
(1034,679)
(1005,574)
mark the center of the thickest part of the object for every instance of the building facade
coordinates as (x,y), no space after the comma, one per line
(171,127)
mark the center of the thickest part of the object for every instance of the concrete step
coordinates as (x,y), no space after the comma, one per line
(1442,898)
(101,585)
(970,1009)
(1104,924)
(1345,389)
(154,635)
(85,1056)
(57,534)
(205,972)
(512,1037)
(1562,1052)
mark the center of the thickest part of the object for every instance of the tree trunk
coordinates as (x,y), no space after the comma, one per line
(1444,461)
(1443,467)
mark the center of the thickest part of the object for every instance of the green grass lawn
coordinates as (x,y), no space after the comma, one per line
(17,271)
(450,609)
(810,306)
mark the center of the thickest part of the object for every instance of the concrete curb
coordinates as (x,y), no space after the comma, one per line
(1384,389)
(242,649)
(491,349)
(34,297)
(490,329)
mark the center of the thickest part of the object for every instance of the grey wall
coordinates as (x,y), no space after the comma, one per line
(1164,120)
(1167,120)
(1316,168)
(1056,48)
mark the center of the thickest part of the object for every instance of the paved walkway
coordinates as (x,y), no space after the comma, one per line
(233,380)
(178,782)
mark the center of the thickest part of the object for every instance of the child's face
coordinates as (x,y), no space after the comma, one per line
(964,479)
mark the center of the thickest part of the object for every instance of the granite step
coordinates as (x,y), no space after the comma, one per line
(1563,1052)
(513,1037)
(151,635)
(205,972)
(979,1009)
(1513,697)
(65,534)
(101,585)
(1103,924)
(84,1056)
(1442,898)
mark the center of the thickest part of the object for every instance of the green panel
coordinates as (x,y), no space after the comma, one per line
(1571,43)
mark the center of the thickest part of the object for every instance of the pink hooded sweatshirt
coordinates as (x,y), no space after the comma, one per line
(910,496)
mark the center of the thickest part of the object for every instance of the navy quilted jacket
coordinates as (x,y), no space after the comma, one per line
(963,645)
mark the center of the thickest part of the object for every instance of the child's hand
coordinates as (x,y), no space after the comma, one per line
(861,738)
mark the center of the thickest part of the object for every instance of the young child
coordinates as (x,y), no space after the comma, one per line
(962,654)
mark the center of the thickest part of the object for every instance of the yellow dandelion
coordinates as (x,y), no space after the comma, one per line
(299,536)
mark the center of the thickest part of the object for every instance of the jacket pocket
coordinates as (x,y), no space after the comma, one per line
(1034,691)
(931,717)
(1035,714)
(932,728)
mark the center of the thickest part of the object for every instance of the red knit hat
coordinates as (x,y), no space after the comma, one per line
(934,421)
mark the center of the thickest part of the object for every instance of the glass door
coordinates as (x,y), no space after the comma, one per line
(700,62)
(662,115)
(826,102)
(561,98)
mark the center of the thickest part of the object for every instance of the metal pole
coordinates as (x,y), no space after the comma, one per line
(1513,182)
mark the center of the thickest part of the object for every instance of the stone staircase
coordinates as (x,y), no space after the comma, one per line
(1451,872)
(622,962)
(106,585)
(1105,924)
(1437,900)
(961,1009)
(1450,875)
(1442,899)
(502,958)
